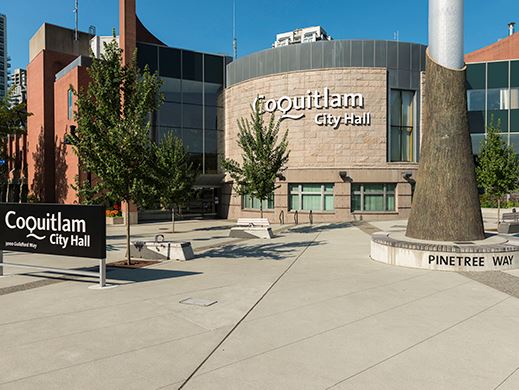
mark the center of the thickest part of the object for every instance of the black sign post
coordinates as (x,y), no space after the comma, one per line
(65,230)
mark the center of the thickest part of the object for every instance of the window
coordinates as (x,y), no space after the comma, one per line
(498,99)
(70,103)
(476,99)
(249,202)
(373,197)
(315,197)
(402,134)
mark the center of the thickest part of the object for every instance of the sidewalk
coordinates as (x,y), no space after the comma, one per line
(323,316)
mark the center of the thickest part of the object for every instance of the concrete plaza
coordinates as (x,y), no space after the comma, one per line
(306,310)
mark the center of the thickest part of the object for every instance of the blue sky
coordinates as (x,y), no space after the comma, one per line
(206,25)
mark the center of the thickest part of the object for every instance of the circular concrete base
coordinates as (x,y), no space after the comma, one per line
(495,253)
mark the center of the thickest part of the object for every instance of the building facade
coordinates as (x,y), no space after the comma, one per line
(4,59)
(493,90)
(352,110)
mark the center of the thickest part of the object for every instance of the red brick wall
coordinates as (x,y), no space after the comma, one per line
(40,126)
(128,28)
(66,162)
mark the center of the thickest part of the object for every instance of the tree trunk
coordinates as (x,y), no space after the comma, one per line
(173,219)
(261,208)
(128,258)
(446,200)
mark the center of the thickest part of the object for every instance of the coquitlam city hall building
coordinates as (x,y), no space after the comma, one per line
(353,111)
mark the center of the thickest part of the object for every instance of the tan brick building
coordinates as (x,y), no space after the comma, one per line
(353,119)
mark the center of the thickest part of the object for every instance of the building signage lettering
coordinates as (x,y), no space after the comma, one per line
(291,107)
(470,261)
(67,230)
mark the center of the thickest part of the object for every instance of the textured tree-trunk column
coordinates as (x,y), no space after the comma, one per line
(446,201)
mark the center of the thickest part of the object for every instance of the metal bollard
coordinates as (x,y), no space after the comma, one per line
(296,218)
(311,217)
(282,217)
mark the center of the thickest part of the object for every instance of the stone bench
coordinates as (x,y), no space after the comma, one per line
(161,250)
(509,223)
(252,228)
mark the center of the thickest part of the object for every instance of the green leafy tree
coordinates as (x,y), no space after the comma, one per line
(497,169)
(264,157)
(173,174)
(13,121)
(113,135)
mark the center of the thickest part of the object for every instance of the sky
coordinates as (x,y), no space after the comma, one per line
(206,25)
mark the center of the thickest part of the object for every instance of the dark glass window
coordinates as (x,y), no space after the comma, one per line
(211,163)
(70,103)
(402,131)
(476,99)
(191,65)
(170,64)
(498,119)
(477,121)
(211,93)
(193,141)
(170,114)
(192,116)
(514,121)
(514,74)
(476,76)
(213,69)
(211,141)
(192,91)
(373,197)
(498,75)
(147,55)
(171,89)
(210,117)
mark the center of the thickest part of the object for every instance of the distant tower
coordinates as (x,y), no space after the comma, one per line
(76,20)
(4,59)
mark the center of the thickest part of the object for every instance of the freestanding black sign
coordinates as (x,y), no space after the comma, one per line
(66,230)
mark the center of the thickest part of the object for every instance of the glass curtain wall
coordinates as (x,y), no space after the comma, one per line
(191,84)
(493,99)
(402,129)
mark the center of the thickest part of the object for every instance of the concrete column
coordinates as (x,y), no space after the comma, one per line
(446,23)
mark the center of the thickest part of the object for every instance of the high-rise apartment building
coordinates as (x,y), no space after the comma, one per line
(3,55)
(18,81)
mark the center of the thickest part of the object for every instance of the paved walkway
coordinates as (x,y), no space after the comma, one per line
(307,310)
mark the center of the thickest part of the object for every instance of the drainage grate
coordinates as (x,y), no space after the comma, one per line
(198,302)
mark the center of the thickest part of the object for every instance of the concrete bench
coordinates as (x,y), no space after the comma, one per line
(163,250)
(509,223)
(252,228)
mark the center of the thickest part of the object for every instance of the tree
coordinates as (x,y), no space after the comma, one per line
(497,169)
(264,158)
(173,174)
(13,121)
(113,140)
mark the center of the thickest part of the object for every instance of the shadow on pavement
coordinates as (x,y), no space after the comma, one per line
(277,251)
(145,274)
(320,227)
(213,228)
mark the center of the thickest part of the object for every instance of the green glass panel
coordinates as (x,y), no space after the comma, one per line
(390,188)
(514,98)
(498,99)
(514,141)
(407,108)
(373,188)
(328,188)
(514,121)
(476,99)
(476,76)
(514,75)
(396,141)
(498,119)
(355,203)
(498,75)
(328,202)
(311,202)
(312,188)
(373,202)
(293,188)
(396,108)
(476,142)
(390,199)
(294,202)
(270,202)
